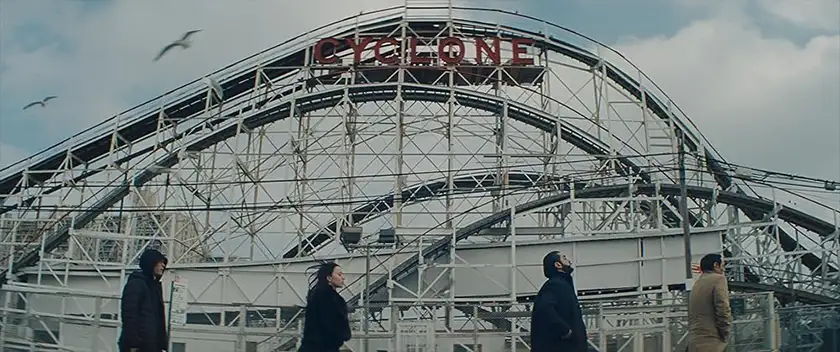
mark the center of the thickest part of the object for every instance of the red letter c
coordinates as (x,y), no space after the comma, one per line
(319,51)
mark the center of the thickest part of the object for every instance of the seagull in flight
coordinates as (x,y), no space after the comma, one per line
(42,103)
(184,42)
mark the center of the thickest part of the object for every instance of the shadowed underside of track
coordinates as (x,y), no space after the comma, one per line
(144,127)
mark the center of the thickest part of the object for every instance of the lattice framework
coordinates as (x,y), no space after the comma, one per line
(263,192)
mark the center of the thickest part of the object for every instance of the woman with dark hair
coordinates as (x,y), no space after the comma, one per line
(326,326)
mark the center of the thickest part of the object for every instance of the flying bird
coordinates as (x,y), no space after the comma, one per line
(42,103)
(184,42)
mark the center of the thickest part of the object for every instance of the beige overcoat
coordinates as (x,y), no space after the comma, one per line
(709,314)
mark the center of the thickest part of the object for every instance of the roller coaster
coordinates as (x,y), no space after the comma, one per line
(481,158)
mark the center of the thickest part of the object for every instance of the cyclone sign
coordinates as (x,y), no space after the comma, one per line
(447,51)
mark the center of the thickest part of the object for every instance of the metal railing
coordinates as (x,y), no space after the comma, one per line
(662,325)
(639,324)
(810,328)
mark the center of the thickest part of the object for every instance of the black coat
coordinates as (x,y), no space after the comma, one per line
(326,326)
(141,309)
(556,311)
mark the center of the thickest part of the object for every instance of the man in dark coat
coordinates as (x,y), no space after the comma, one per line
(556,320)
(141,307)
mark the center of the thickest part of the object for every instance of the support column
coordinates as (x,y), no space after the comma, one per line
(241,340)
(97,317)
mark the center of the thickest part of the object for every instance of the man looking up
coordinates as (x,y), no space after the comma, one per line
(556,320)
(141,307)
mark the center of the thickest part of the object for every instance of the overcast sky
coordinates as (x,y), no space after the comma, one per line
(761,78)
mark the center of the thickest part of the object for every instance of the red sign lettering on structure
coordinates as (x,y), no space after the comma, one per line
(449,50)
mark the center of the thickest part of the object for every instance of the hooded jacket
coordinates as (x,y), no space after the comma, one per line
(557,311)
(141,308)
(326,325)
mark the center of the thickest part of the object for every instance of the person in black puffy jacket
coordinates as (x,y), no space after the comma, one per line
(141,307)
(557,320)
(326,325)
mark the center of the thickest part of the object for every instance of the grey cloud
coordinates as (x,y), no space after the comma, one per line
(811,14)
(762,102)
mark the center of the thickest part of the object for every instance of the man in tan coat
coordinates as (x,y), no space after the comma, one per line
(709,315)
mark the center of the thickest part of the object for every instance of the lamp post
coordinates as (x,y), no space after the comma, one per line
(366,302)
(684,211)
(351,237)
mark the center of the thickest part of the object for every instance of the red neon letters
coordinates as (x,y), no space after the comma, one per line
(451,50)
